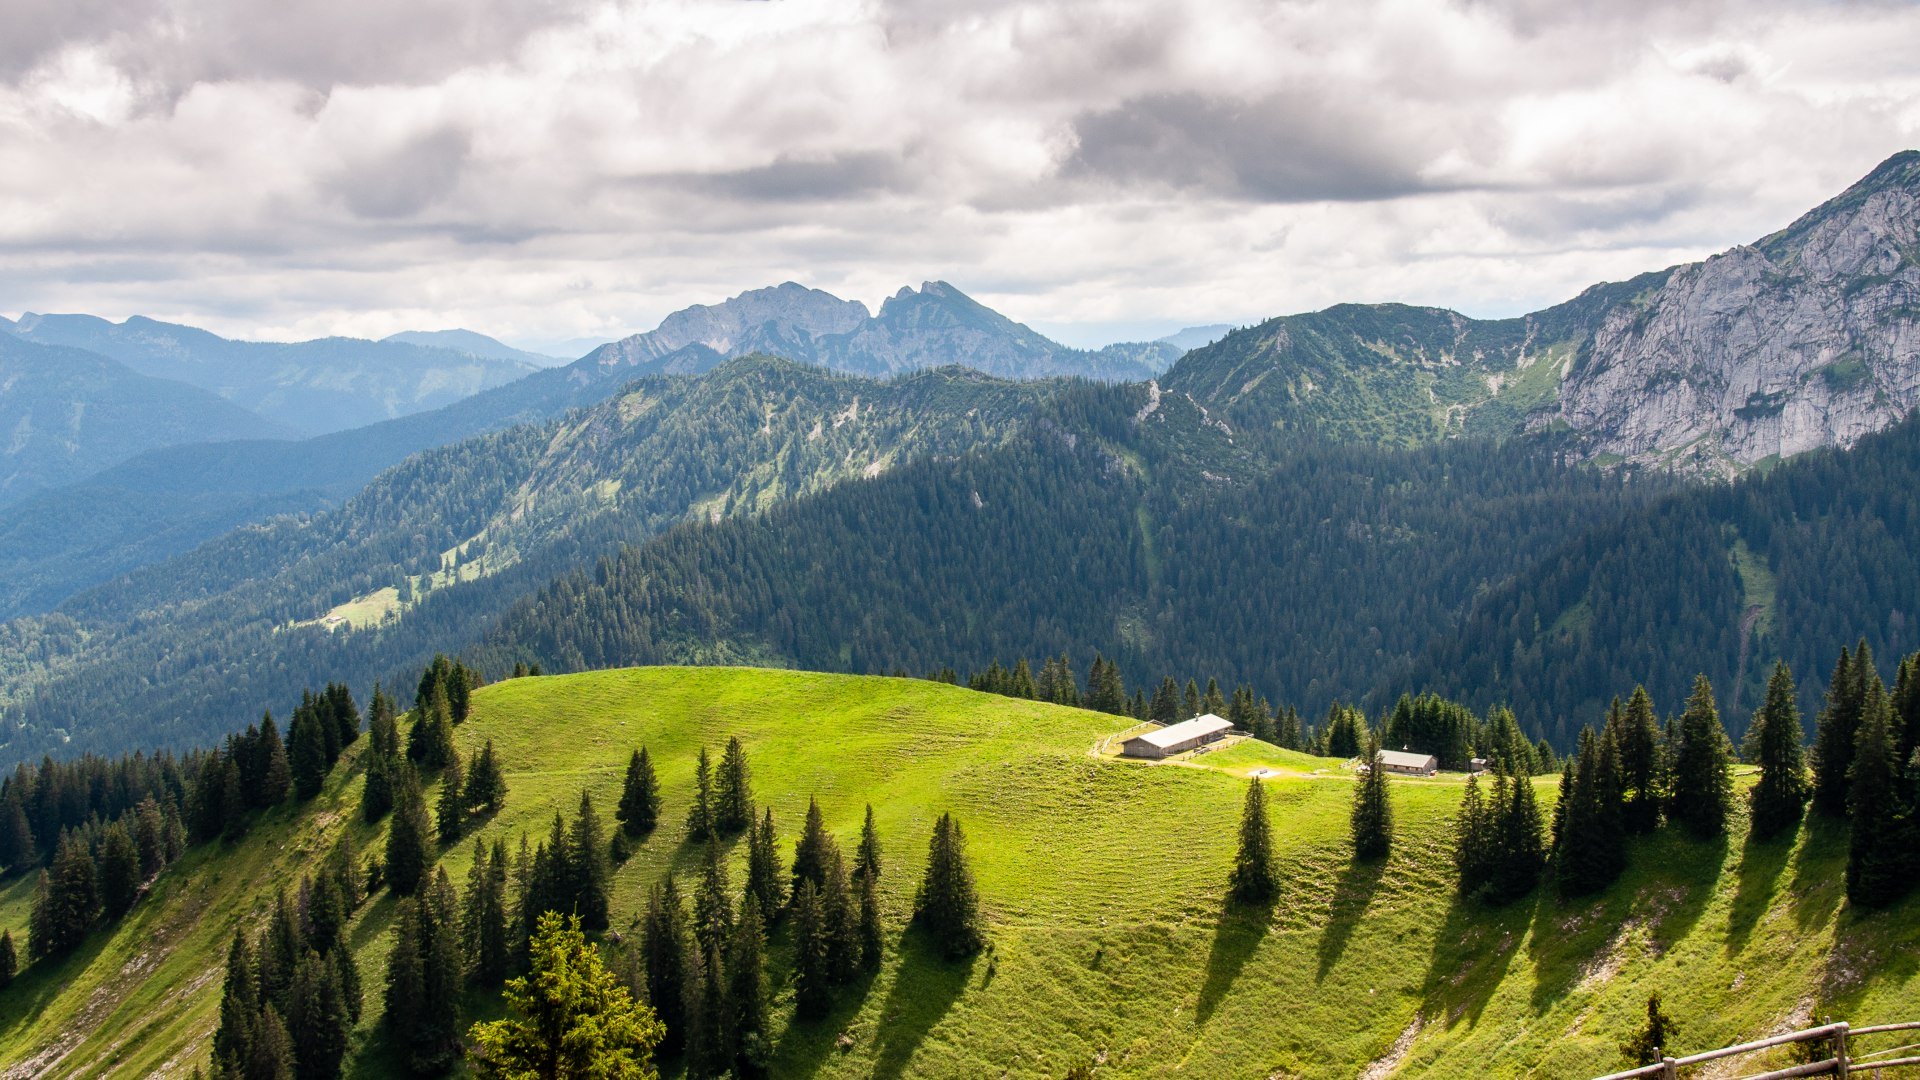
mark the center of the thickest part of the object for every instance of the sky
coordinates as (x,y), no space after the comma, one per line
(553,170)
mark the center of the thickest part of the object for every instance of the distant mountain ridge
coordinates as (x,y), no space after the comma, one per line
(934,326)
(308,387)
(474,343)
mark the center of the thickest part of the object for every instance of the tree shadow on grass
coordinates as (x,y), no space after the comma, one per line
(1471,954)
(1351,895)
(925,986)
(1761,864)
(1819,868)
(1238,934)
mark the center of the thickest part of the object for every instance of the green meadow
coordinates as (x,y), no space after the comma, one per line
(1103,883)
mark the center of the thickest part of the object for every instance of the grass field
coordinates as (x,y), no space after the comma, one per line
(1103,883)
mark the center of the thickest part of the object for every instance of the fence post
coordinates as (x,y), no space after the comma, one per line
(1671,1072)
(1840,1050)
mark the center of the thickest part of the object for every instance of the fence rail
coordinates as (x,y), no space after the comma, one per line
(1841,1063)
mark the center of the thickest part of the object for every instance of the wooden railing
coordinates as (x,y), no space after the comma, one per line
(1842,1061)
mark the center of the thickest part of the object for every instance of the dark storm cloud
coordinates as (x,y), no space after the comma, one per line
(1289,147)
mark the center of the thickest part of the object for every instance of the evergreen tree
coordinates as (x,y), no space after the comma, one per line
(9,959)
(1702,795)
(410,837)
(713,904)
(810,851)
(947,904)
(1472,840)
(1880,859)
(383,728)
(570,1017)
(841,908)
(1372,818)
(436,1039)
(766,884)
(1590,849)
(711,1050)
(812,981)
(639,808)
(276,774)
(1638,741)
(239,1008)
(280,950)
(430,743)
(1166,702)
(1254,879)
(866,859)
(68,903)
(376,796)
(1655,1037)
(272,1057)
(1834,732)
(406,983)
(450,811)
(307,755)
(119,865)
(1780,797)
(150,837)
(1190,701)
(667,944)
(486,786)
(586,856)
(700,815)
(873,944)
(317,1022)
(483,916)
(747,992)
(733,806)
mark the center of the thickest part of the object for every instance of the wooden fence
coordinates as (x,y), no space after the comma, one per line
(1841,1059)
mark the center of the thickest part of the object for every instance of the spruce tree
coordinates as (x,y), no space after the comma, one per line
(9,959)
(1638,740)
(119,866)
(73,898)
(947,904)
(700,814)
(712,903)
(436,1043)
(586,856)
(430,743)
(810,851)
(1780,797)
(747,992)
(1472,840)
(383,729)
(406,982)
(1835,730)
(1166,702)
(639,808)
(486,786)
(812,980)
(239,1008)
(410,836)
(873,944)
(570,1017)
(1702,795)
(733,803)
(1880,861)
(376,796)
(1190,701)
(667,945)
(1590,851)
(1254,879)
(866,859)
(1372,817)
(840,906)
(766,882)
(450,810)
(712,1050)
(307,755)
(276,775)
(317,1022)
(272,1057)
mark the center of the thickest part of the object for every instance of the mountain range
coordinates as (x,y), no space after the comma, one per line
(1394,480)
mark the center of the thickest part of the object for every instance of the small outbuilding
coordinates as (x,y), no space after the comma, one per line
(1476,766)
(1177,738)
(1407,763)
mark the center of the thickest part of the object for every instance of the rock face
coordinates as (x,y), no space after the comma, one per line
(1809,338)
(933,326)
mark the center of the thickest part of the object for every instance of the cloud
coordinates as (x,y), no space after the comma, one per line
(572,167)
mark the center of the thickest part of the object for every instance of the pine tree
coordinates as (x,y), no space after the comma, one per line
(713,904)
(1472,840)
(1590,849)
(1166,702)
(766,883)
(1190,701)
(410,837)
(406,982)
(841,907)
(1212,701)
(276,774)
(9,959)
(1780,797)
(239,1007)
(430,743)
(570,1017)
(1702,795)
(424,977)
(486,786)
(119,866)
(733,805)
(383,729)
(586,855)
(1372,817)
(376,796)
(1638,741)
(700,815)
(712,1050)
(450,811)
(812,981)
(1880,860)
(280,950)
(272,1057)
(667,944)
(873,944)
(639,808)
(72,900)
(1254,879)
(317,1022)
(866,859)
(947,904)
(1834,732)
(810,851)
(747,992)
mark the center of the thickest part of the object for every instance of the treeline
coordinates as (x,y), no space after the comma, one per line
(1427,723)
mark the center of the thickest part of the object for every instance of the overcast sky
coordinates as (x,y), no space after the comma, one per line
(551,169)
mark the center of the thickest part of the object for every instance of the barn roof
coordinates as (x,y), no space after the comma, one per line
(1172,734)
(1401,759)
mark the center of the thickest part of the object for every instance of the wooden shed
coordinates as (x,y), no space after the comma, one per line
(1177,738)
(1407,763)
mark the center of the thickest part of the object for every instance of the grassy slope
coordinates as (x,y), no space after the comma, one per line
(1102,880)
